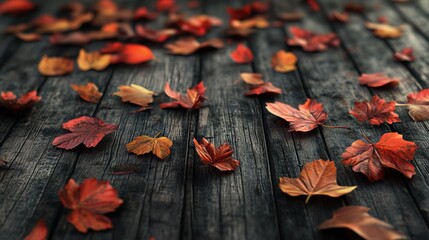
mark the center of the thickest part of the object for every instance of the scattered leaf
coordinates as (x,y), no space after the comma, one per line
(252,78)
(136,94)
(86,130)
(65,25)
(2,163)
(391,152)
(376,112)
(291,16)
(418,105)
(265,88)
(39,232)
(129,53)
(16,7)
(383,30)
(377,80)
(242,54)
(28,37)
(9,101)
(55,66)
(313,5)
(94,60)
(342,17)
(189,45)
(283,61)
(159,146)
(193,99)
(88,92)
(405,55)
(220,157)
(155,35)
(312,42)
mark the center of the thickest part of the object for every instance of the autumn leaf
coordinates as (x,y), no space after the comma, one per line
(312,42)
(155,35)
(252,78)
(165,5)
(357,219)
(255,22)
(240,13)
(376,112)
(2,163)
(197,25)
(377,80)
(316,178)
(159,146)
(64,25)
(16,7)
(142,13)
(242,54)
(39,232)
(135,94)
(193,99)
(314,5)
(86,130)
(265,88)
(283,61)
(418,105)
(9,101)
(391,152)
(55,66)
(383,30)
(88,92)
(291,16)
(28,37)
(342,17)
(88,203)
(189,45)
(129,53)
(405,55)
(94,60)
(220,157)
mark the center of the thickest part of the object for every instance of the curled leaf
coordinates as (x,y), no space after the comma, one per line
(159,146)
(376,112)
(342,17)
(88,92)
(418,105)
(220,157)
(155,35)
(55,66)
(252,78)
(265,88)
(312,42)
(28,37)
(377,80)
(94,60)
(383,30)
(9,101)
(242,54)
(136,94)
(405,55)
(189,45)
(129,53)
(193,99)
(283,61)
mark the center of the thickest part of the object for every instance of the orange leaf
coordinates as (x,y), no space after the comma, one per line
(39,232)
(357,219)
(55,66)
(391,151)
(16,6)
(242,54)
(129,53)
(376,112)
(418,105)
(283,61)
(377,80)
(89,202)
(405,55)
(28,37)
(255,22)
(193,99)
(88,92)
(342,17)
(383,30)
(155,35)
(94,60)
(252,78)
(265,88)
(220,157)
(136,94)
(312,42)
(9,101)
(317,178)
(159,146)
(306,118)
(189,45)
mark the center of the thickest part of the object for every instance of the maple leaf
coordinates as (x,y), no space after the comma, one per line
(405,55)
(377,80)
(39,232)
(55,66)
(165,5)
(312,42)
(255,22)
(86,130)
(283,61)
(342,17)
(252,78)
(314,5)
(94,60)
(129,53)
(357,219)
(89,201)
(376,112)
(418,105)
(391,151)
(155,35)
(189,45)
(316,178)
(16,7)
(159,146)
(137,95)
(304,119)
(197,25)
(242,54)
(220,157)
(265,88)
(9,100)
(193,99)
(88,92)
(383,30)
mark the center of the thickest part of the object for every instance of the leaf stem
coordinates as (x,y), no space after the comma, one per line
(157,134)
(342,127)
(364,136)
(402,105)
(307,199)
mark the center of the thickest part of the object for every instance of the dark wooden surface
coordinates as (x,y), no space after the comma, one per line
(180,198)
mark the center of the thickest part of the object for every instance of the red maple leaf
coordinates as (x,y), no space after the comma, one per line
(391,151)
(87,130)
(220,157)
(9,101)
(242,54)
(89,202)
(155,35)
(377,80)
(193,99)
(265,88)
(129,53)
(405,55)
(39,232)
(310,41)
(376,112)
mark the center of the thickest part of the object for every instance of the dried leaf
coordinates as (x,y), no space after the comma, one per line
(193,99)
(312,42)
(291,16)
(383,30)
(265,88)
(155,35)
(255,22)
(16,7)
(316,178)
(418,105)
(304,119)
(159,146)
(252,78)
(391,152)
(136,94)
(94,60)
(39,232)
(405,55)
(9,101)
(65,25)
(342,17)
(283,61)
(189,45)
(377,80)
(357,219)
(28,37)
(376,112)
(242,54)
(88,92)
(129,53)
(86,130)
(89,202)
(220,157)
(55,66)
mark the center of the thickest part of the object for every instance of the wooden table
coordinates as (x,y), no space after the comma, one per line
(180,198)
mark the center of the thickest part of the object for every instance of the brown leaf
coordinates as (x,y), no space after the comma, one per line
(28,37)
(94,60)
(383,30)
(39,232)
(55,66)
(88,92)
(283,61)
(220,157)
(135,94)
(159,146)
(418,105)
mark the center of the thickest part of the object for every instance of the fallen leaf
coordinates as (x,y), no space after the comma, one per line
(376,112)
(55,66)
(142,13)
(252,78)
(16,7)
(357,219)
(220,157)
(39,232)
(313,5)
(165,5)
(193,99)
(135,94)
(283,61)
(265,88)
(159,146)
(129,53)
(89,202)
(312,42)
(94,60)
(342,17)
(316,178)
(391,152)
(88,92)
(155,35)
(86,130)
(383,30)
(418,105)
(405,55)
(291,16)
(255,22)
(377,80)
(65,25)
(28,37)
(242,54)
(304,119)
(189,45)
(197,25)
(9,101)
